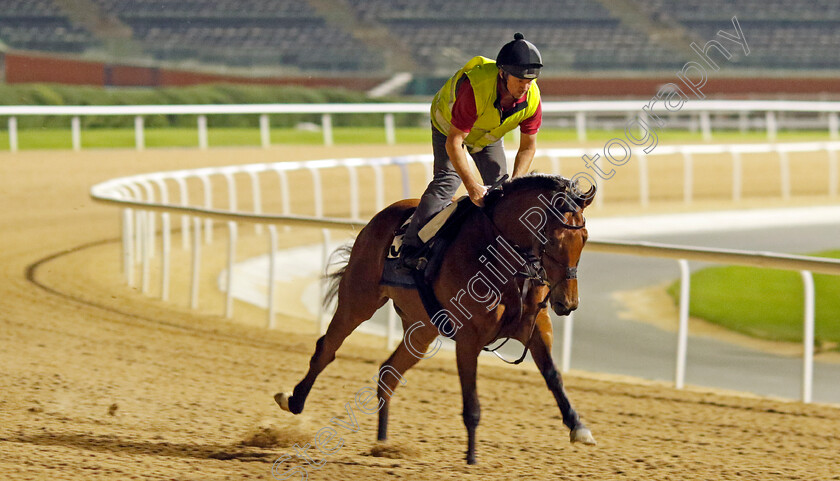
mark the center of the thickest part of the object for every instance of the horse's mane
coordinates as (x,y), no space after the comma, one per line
(554,183)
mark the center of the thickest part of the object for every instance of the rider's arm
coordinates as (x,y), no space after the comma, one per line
(458,157)
(525,154)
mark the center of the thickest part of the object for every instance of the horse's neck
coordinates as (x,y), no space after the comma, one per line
(507,220)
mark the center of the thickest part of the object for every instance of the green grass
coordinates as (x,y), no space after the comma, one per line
(57,138)
(765,303)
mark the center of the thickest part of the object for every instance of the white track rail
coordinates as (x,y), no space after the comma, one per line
(702,113)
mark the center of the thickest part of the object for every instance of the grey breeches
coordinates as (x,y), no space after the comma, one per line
(491,163)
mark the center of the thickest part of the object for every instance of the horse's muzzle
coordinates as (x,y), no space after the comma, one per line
(561,308)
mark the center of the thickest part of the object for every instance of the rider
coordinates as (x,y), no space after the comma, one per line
(474,110)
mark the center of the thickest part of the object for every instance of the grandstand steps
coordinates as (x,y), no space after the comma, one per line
(115,36)
(374,35)
(661,30)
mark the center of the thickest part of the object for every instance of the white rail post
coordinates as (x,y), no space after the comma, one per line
(354,191)
(580,125)
(390,130)
(833,171)
(566,355)
(272,266)
(265,131)
(128,246)
(784,173)
(833,125)
(808,337)
(233,205)
(772,128)
(13,134)
(145,257)
(138,221)
(737,174)
(196,263)
(183,194)
(166,252)
(256,192)
(285,197)
(688,177)
(682,333)
(150,218)
(706,125)
(326,127)
(380,187)
(165,240)
(325,260)
(208,204)
(316,192)
(76,133)
(202,132)
(391,330)
(232,235)
(139,138)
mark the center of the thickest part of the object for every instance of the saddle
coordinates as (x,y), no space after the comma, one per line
(436,235)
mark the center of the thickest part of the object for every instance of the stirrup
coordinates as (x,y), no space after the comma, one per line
(410,259)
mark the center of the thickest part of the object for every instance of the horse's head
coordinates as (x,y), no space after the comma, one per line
(565,236)
(545,213)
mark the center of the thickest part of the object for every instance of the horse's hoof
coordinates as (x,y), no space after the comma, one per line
(282,400)
(582,435)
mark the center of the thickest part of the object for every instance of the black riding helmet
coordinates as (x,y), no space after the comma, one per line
(520,58)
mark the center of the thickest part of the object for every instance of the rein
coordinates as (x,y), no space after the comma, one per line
(533,274)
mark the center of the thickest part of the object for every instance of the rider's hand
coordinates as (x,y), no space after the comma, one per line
(477,192)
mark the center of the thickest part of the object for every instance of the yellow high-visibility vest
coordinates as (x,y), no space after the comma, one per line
(489,126)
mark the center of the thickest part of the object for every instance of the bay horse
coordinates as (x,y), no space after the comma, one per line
(508,262)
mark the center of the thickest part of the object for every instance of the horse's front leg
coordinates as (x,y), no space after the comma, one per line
(540,347)
(466,355)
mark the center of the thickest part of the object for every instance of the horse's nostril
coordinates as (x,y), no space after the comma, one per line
(560,309)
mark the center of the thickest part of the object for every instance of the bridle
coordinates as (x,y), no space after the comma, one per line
(534,275)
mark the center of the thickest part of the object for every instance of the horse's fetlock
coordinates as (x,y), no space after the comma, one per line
(471,419)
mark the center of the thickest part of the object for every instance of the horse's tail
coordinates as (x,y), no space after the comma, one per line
(338,259)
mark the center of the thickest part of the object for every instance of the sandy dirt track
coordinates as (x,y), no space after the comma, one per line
(99,382)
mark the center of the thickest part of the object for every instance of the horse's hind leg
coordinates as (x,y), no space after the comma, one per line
(343,323)
(411,349)
(540,347)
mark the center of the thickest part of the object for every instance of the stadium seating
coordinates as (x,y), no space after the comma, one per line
(40,25)
(572,35)
(241,33)
(782,34)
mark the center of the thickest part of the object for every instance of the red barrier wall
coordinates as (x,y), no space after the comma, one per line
(25,68)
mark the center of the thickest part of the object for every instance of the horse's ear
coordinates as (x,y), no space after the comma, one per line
(584,199)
